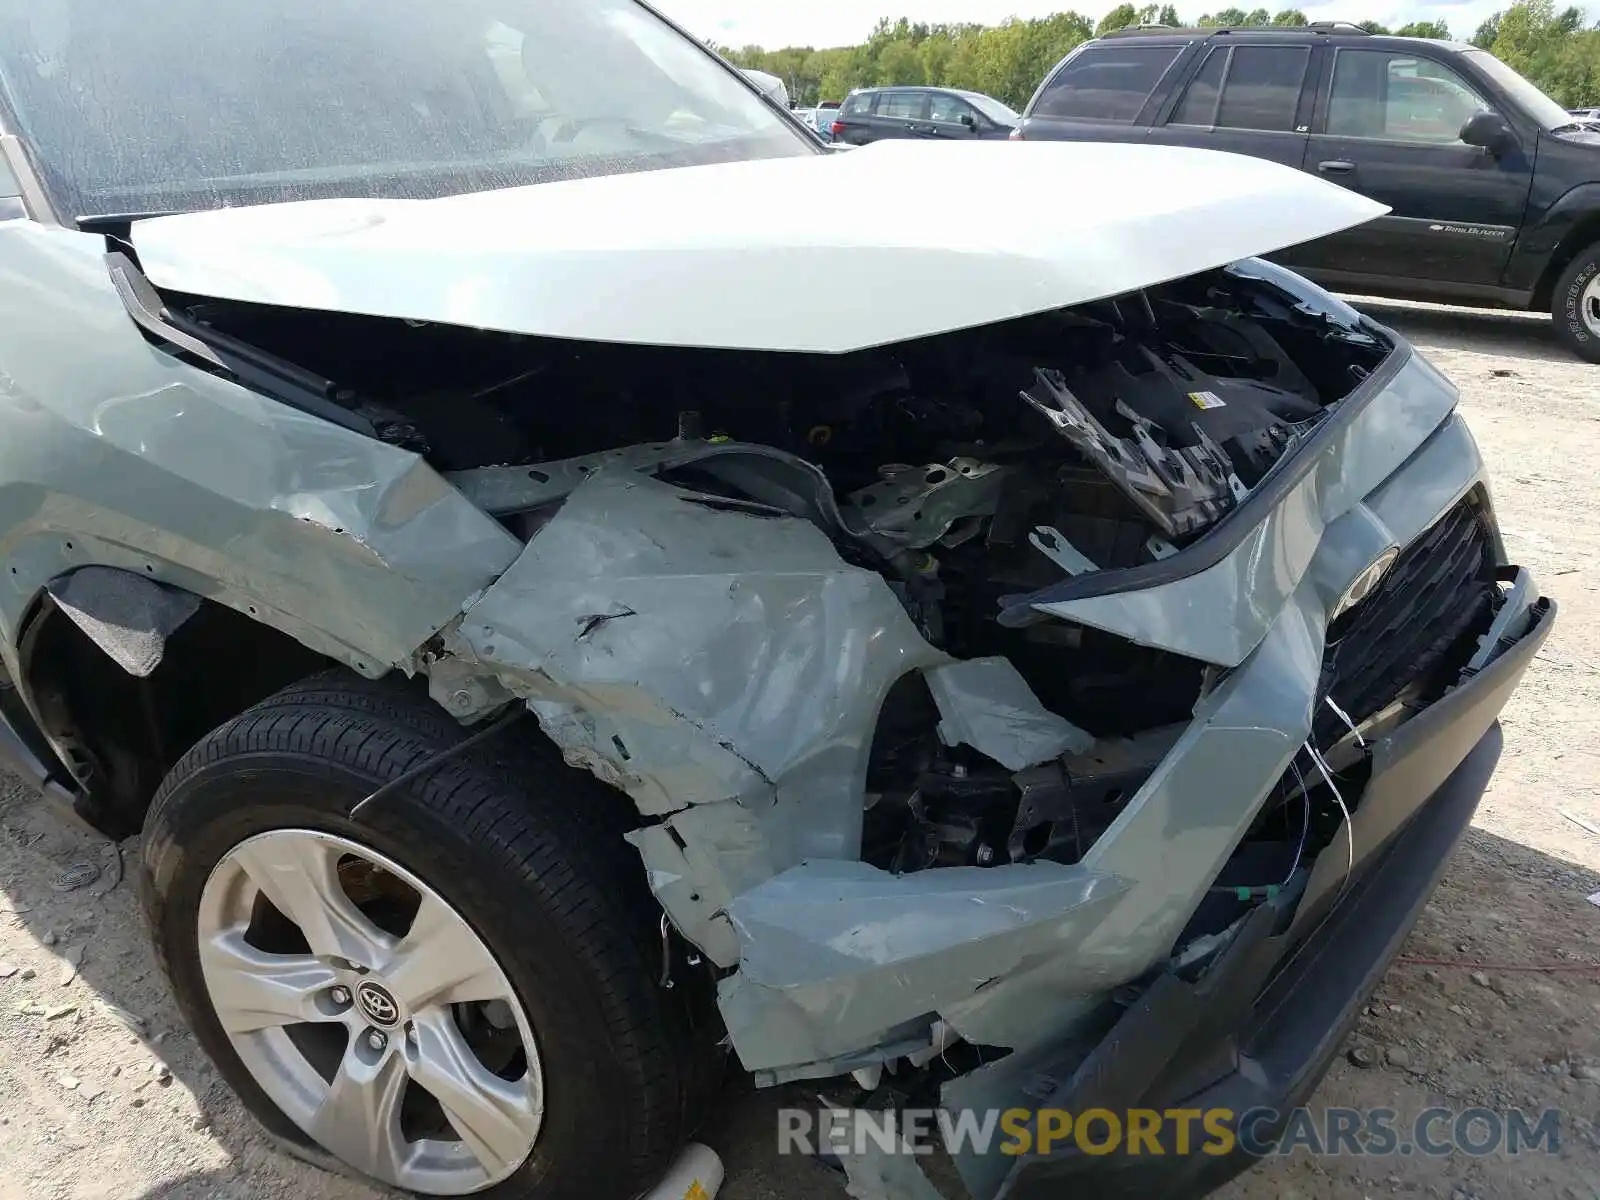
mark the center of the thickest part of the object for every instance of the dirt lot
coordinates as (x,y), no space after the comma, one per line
(103,1095)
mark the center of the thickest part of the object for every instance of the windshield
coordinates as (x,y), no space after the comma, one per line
(992,108)
(146,106)
(1535,103)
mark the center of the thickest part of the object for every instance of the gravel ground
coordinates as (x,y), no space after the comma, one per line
(103,1096)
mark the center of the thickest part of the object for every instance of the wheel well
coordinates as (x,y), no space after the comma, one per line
(1584,234)
(120,734)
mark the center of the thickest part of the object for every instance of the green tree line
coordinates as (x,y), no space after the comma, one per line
(1554,48)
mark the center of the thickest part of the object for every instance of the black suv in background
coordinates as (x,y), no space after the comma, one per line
(872,114)
(1494,188)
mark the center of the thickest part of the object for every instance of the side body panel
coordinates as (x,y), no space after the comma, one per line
(1563,209)
(116,453)
(1455,209)
(1466,226)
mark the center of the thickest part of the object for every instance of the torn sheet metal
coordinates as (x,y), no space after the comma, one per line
(126,615)
(916,506)
(695,861)
(740,668)
(775,477)
(511,489)
(834,954)
(985,703)
(132,458)
(726,670)
(874,1172)
(1053,544)
(910,509)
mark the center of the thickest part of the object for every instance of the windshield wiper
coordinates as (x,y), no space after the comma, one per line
(111,222)
(276,377)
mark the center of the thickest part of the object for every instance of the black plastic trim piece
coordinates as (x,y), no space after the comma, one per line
(281,380)
(1223,538)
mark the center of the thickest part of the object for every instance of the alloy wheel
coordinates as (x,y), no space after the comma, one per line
(370,1012)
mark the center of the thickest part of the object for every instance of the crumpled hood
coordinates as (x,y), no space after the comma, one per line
(825,253)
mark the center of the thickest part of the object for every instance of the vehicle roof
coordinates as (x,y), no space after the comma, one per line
(918,87)
(1326,29)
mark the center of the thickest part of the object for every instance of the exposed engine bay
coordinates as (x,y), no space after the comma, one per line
(965,469)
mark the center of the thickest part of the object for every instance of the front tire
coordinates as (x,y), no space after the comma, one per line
(1575,304)
(456,994)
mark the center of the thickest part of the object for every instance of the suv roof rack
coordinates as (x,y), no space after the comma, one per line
(1323,27)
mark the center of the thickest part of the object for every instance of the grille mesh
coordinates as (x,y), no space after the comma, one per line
(1397,642)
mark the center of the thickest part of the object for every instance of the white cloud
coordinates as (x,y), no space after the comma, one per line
(774,23)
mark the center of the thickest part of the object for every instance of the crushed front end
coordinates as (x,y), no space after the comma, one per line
(1078,707)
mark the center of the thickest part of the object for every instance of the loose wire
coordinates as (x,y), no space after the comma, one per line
(438,760)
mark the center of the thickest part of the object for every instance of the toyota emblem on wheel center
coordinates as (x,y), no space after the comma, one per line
(377,1004)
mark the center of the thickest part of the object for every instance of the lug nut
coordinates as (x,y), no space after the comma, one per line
(376,1040)
(340,996)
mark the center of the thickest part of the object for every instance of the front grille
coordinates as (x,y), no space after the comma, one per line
(1402,639)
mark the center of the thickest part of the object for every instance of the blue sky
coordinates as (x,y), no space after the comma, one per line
(774,23)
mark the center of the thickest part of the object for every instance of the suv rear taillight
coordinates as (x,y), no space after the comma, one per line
(1016,136)
(836,128)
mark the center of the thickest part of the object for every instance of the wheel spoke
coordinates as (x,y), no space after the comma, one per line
(441,961)
(251,989)
(360,1119)
(299,874)
(389,1000)
(497,1119)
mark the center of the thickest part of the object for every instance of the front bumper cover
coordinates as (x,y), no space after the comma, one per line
(1260,1028)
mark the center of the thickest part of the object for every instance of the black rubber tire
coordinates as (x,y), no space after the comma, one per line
(525,848)
(1566,300)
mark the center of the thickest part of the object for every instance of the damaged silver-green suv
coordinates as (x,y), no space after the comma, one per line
(562,617)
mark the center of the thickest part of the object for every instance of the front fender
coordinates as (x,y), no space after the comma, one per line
(1552,234)
(115,453)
